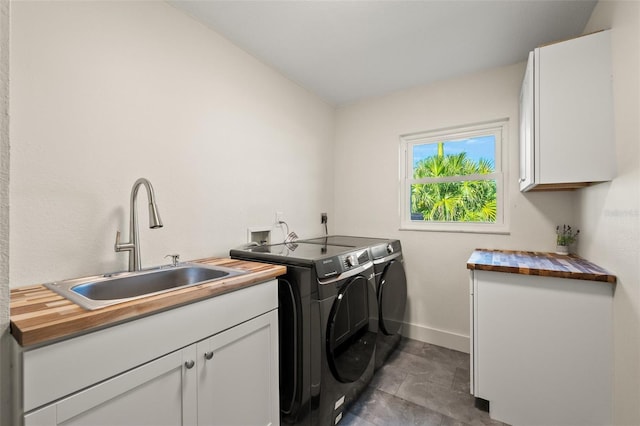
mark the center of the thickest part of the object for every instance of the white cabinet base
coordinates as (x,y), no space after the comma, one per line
(153,371)
(543,348)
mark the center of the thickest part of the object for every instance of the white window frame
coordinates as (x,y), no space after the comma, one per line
(499,129)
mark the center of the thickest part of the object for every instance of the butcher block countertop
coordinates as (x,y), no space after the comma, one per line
(538,263)
(39,315)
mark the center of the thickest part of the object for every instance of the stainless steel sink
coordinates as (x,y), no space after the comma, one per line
(105,290)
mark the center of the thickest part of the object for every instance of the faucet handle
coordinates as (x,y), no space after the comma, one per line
(175,258)
(118,246)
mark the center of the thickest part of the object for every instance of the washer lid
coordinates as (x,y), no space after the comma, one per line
(380,247)
(346,240)
(297,253)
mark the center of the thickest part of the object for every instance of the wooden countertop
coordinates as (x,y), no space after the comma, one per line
(39,315)
(538,263)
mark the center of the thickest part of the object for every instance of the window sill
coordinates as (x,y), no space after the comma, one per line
(498,229)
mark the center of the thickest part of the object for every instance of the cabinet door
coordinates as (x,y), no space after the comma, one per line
(238,375)
(543,349)
(148,395)
(527,130)
(574,111)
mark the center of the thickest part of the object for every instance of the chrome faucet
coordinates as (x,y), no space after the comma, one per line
(133,246)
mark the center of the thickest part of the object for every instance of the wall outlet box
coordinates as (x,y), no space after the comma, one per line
(259,235)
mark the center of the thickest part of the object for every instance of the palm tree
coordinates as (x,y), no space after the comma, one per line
(463,201)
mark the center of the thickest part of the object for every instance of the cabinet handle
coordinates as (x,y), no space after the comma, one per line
(189,364)
(208,355)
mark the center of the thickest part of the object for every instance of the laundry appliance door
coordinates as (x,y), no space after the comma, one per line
(392,297)
(352,328)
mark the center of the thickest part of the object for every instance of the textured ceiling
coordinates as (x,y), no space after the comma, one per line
(348,50)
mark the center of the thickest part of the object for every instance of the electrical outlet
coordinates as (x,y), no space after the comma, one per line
(279,217)
(323,218)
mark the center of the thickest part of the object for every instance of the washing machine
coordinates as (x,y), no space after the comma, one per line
(391,286)
(328,326)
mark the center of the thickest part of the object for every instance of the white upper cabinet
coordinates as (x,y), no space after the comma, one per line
(566,115)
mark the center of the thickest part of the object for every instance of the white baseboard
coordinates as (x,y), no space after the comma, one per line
(437,337)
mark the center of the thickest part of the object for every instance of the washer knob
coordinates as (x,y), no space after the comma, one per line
(389,248)
(351,260)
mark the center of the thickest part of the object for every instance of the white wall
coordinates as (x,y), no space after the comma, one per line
(106,92)
(610,213)
(5,385)
(366,193)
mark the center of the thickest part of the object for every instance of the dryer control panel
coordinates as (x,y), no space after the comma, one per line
(386,249)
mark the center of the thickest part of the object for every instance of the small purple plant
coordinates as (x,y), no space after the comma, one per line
(565,235)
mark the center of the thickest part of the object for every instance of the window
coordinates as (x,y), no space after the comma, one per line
(452,179)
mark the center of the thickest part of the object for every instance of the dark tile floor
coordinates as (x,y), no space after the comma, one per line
(421,384)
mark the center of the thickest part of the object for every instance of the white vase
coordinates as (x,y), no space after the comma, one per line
(562,250)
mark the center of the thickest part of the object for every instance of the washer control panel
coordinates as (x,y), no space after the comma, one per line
(334,266)
(351,260)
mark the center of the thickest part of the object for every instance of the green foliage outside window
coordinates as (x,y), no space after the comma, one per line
(459,201)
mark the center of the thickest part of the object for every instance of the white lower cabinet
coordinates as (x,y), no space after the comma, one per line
(228,378)
(542,348)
